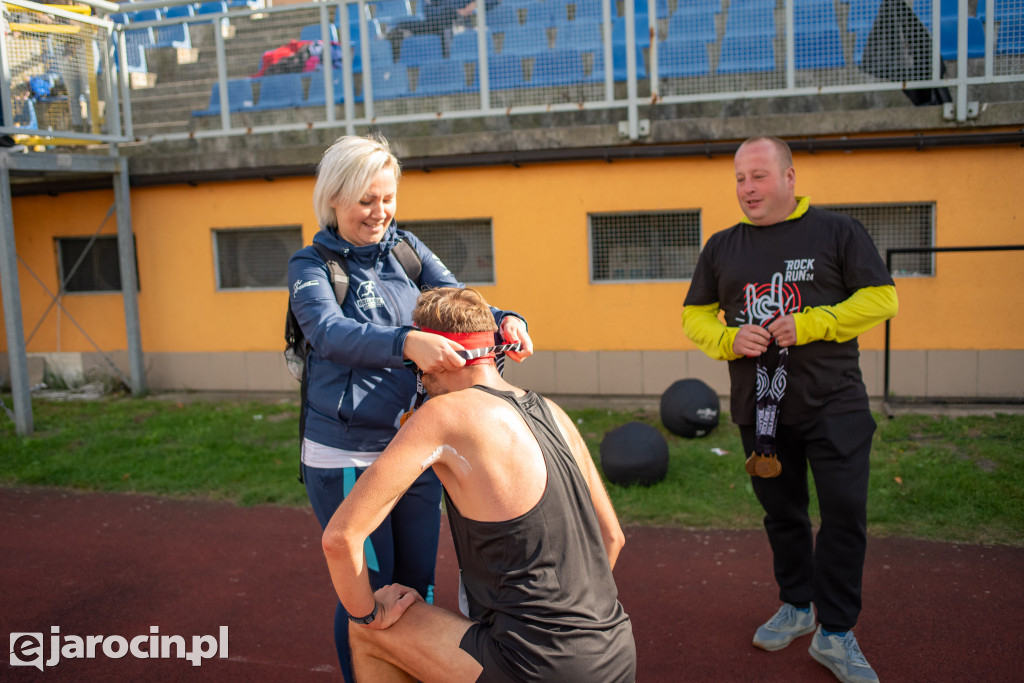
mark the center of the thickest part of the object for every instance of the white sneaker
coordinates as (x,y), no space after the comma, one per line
(842,656)
(787,624)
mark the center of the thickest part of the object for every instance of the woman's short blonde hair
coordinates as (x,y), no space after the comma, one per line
(451,309)
(345,171)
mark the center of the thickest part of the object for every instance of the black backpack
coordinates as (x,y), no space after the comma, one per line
(297,348)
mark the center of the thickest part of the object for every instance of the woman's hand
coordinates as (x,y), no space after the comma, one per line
(432,352)
(513,329)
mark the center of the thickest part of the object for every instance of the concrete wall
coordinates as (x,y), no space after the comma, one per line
(957,332)
(641,375)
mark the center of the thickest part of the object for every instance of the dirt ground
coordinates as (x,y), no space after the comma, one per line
(129,565)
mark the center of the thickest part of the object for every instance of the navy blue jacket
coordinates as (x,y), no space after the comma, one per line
(358,385)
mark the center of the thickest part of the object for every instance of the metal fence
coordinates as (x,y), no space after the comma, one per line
(190,70)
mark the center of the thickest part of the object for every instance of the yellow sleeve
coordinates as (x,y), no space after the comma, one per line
(842,322)
(710,334)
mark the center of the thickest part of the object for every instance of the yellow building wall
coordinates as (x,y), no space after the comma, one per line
(539,215)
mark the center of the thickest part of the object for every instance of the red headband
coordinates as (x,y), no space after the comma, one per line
(470,340)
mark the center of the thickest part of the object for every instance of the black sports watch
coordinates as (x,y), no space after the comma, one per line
(368,618)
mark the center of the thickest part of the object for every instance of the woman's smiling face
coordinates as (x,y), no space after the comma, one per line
(364,221)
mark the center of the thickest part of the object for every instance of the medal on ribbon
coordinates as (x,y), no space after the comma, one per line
(764,461)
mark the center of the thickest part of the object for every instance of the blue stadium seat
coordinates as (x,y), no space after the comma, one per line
(641,27)
(317,94)
(390,82)
(585,35)
(814,13)
(620,73)
(25,114)
(312,32)
(280,91)
(1004,9)
(180,11)
(817,47)
(136,42)
(353,15)
(750,53)
(421,49)
(212,8)
(585,9)
(752,19)
(542,12)
(683,58)
(381,55)
(817,43)
(442,78)
(861,15)
(145,15)
(501,16)
(373,30)
(464,46)
(120,18)
(1010,40)
(390,9)
(558,67)
(696,23)
(175,35)
(640,7)
(948,38)
(525,40)
(505,71)
(239,98)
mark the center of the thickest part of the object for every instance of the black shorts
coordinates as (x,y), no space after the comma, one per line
(616,664)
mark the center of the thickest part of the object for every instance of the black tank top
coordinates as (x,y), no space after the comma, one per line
(541,582)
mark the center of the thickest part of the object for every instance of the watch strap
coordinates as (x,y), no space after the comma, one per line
(368,619)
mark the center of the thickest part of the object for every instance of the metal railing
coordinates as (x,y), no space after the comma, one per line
(515,57)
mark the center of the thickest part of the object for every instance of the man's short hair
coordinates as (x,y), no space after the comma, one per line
(782,149)
(450,309)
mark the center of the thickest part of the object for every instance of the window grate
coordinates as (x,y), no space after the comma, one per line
(897,226)
(100,267)
(466,247)
(644,246)
(255,258)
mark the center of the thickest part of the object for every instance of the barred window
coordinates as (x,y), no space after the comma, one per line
(251,258)
(897,226)
(644,246)
(466,247)
(86,267)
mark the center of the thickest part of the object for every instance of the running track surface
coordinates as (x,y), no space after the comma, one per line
(102,564)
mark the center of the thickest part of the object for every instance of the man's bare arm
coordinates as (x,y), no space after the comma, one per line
(371,499)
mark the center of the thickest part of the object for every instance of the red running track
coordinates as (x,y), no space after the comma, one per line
(105,564)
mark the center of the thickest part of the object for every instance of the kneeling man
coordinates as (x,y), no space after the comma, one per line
(534,530)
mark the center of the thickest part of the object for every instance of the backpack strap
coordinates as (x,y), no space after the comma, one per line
(409,259)
(338,269)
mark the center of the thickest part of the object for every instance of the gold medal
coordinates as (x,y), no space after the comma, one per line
(768,466)
(764,466)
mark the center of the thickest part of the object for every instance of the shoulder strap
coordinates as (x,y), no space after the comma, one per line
(338,269)
(410,260)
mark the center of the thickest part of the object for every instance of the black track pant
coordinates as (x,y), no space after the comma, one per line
(828,570)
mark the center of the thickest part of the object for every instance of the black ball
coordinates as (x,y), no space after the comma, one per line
(690,408)
(635,453)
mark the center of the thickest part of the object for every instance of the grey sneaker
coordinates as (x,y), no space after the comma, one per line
(787,624)
(842,656)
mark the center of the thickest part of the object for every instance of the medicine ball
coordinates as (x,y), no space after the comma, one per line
(635,453)
(690,408)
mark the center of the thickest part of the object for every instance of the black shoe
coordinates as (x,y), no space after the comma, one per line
(7,141)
